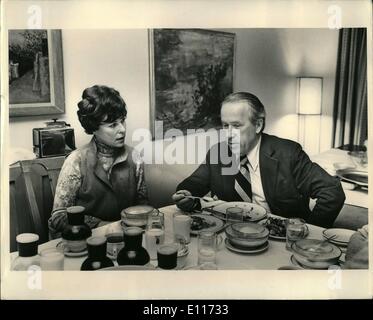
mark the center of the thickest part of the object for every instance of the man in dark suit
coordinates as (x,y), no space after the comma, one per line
(272,172)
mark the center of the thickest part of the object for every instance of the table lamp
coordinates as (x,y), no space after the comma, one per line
(309,99)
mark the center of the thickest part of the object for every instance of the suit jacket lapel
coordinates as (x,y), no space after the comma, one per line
(268,169)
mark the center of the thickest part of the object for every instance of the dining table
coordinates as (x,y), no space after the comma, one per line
(275,257)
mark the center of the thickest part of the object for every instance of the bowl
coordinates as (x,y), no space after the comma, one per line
(316,254)
(248,230)
(136,216)
(246,236)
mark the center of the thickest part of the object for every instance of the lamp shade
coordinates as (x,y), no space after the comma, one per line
(309,95)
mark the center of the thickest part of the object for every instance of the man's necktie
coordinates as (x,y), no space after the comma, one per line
(242,183)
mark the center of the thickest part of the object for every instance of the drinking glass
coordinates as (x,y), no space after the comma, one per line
(182,224)
(52,259)
(154,233)
(208,244)
(234,214)
(296,229)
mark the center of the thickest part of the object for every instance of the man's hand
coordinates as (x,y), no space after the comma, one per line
(182,201)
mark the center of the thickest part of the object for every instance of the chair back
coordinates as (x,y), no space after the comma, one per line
(31,190)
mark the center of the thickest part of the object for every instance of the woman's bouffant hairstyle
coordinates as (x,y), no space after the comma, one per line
(100,104)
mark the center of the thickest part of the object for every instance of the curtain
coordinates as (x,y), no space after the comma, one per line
(350,99)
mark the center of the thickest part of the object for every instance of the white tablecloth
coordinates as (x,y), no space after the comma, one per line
(276,256)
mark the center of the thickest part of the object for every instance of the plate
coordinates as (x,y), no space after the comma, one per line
(297,264)
(338,236)
(316,250)
(343,166)
(217,224)
(69,253)
(358,177)
(273,236)
(252,211)
(230,247)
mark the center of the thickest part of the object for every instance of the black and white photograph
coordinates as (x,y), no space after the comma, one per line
(258,139)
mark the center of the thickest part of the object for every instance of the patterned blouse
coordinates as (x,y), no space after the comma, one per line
(70,180)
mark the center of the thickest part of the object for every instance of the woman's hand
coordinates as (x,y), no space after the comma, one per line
(182,201)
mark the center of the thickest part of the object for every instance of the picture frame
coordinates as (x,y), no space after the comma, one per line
(191,72)
(36,78)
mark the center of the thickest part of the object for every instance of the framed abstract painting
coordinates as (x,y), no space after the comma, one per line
(191,72)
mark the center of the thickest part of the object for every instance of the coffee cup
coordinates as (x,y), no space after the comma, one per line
(167,256)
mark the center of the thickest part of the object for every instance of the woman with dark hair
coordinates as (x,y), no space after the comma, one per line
(104,176)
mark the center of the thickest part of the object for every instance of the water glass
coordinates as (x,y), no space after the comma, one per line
(296,229)
(52,259)
(182,224)
(208,244)
(234,214)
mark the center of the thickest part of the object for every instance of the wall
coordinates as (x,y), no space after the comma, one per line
(114,57)
(267,64)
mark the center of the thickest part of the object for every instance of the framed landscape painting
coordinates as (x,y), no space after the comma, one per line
(191,73)
(36,83)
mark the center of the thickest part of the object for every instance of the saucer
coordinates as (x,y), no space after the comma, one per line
(338,236)
(69,253)
(259,249)
(298,264)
